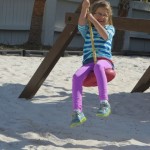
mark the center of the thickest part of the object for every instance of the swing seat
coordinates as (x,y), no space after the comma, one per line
(90,80)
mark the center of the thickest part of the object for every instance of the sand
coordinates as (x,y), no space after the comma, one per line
(42,123)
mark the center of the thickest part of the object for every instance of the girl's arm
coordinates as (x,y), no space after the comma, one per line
(85,8)
(101,30)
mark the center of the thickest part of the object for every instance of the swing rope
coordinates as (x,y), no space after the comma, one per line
(92,42)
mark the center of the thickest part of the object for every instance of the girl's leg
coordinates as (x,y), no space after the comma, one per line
(77,82)
(99,70)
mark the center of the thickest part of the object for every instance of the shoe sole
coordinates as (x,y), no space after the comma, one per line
(77,124)
(103,115)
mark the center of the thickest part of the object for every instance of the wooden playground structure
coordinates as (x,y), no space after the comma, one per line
(144,82)
(71,19)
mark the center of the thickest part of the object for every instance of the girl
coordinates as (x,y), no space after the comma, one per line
(103,31)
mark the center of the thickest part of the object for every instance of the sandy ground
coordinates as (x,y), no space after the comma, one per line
(42,123)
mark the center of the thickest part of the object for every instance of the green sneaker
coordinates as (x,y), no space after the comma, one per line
(77,119)
(104,110)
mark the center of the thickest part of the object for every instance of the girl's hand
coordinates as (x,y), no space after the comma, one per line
(84,11)
(86,4)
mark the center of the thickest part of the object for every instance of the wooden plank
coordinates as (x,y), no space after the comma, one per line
(144,82)
(131,24)
(12,52)
(51,59)
(120,23)
(49,62)
(35,52)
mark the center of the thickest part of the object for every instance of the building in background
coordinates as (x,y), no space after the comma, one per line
(16,15)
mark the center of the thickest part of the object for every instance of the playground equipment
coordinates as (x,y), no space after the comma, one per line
(120,23)
(144,82)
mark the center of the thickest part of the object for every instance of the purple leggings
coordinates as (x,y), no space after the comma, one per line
(81,74)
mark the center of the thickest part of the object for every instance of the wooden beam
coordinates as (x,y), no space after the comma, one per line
(120,23)
(62,42)
(49,62)
(131,24)
(144,82)
(51,59)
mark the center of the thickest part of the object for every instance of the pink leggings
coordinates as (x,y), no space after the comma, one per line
(81,74)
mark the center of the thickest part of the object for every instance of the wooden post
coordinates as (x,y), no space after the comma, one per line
(144,82)
(50,60)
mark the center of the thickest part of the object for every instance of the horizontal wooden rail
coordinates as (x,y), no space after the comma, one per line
(120,23)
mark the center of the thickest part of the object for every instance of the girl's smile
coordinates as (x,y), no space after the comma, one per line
(101,15)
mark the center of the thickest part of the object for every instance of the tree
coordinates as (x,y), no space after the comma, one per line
(34,40)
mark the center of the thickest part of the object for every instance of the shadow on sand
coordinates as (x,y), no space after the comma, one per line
(130,120)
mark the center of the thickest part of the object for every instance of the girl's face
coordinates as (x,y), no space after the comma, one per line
(101,15)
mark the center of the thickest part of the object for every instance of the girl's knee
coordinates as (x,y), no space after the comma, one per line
(103,64)
(99,65)
(76,77)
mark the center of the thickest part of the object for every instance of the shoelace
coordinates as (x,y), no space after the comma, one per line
(103,106)
(75,114)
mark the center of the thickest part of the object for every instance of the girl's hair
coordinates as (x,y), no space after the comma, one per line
(104,4)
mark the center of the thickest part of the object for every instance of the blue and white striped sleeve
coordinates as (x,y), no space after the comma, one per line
(110,31)
(83,30)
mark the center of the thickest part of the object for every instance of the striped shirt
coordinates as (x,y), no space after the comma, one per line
(103,47)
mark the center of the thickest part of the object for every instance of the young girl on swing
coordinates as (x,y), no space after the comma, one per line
(100,16)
